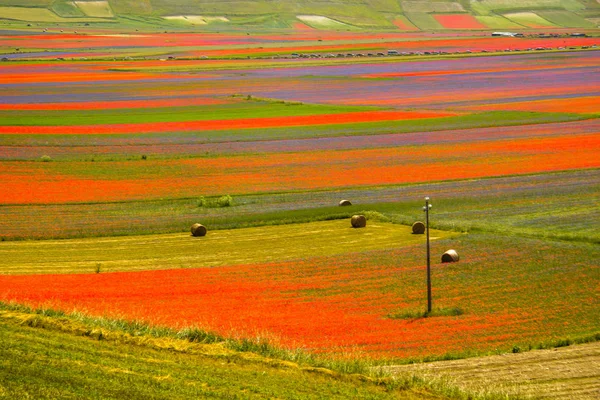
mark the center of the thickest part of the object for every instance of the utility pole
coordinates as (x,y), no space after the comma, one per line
(426,208)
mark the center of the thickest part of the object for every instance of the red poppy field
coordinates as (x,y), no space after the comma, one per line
(507,145)
(93,43)
(346,304)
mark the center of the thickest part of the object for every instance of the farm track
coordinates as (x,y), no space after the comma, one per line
(568,372)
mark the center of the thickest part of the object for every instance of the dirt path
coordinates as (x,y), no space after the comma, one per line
(564,373)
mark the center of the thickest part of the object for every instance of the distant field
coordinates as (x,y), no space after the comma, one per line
(326,16)
(497,22)
(98,9)
(529,19)
(566,18)
(27,3)
(211,51)
(423,20)
(432,6)
(500,5)
(459,21)
(36,14)
(67,9)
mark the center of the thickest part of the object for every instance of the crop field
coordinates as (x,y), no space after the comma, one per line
(95,43)
(459,21)
(106,163)
(326,303)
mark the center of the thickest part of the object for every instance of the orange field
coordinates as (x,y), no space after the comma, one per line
(295,171)
(581,105)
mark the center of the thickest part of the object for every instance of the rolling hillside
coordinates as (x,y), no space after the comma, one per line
(409,15)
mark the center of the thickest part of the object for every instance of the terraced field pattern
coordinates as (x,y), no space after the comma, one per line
(105,164)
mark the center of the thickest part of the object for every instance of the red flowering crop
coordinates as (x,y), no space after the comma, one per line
(458,21)
(79,182)
(579,105)
(241,123)
(342,303)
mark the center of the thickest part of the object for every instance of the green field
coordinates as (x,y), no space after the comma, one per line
(497,22)
(235,110)
(529,19)
(566,18)
(423,21)
(36,14)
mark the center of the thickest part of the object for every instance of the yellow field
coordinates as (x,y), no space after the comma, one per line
(217,248)
(99,9)
(37,15)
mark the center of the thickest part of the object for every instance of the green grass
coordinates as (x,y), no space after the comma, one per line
(566,19)
(65,8)
(26,3)
(504,5)
(497,22)
(43,364)
(435,312)
(48,355)
(529,19)
(236,110)
(96,9)
(36,14)
(423,21)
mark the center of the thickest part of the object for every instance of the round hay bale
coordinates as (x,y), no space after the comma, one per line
(418,228)
(358,221)
(450,256)
(198,230)
(345,203)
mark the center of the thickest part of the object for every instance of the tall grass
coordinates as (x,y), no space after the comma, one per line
(354,368)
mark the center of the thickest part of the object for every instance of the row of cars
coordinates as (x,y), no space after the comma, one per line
(392,53)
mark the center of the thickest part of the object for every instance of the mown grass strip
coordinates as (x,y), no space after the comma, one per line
(217,248)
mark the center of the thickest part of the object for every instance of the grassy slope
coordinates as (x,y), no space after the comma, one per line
(89,361)
(47,363)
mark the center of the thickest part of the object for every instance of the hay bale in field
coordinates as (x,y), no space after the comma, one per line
(450,256)
(418,228)
(198,230)
(345,203)
(358,221)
